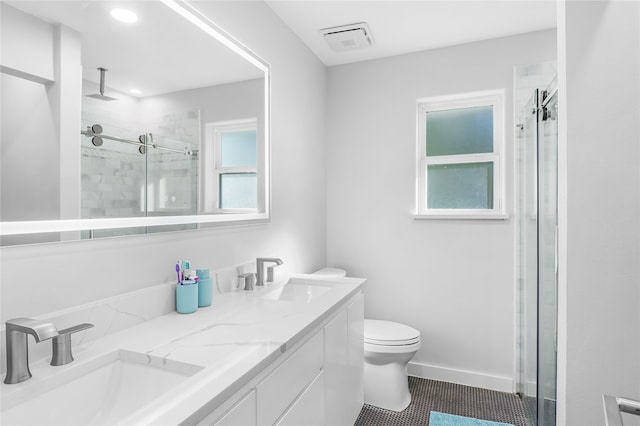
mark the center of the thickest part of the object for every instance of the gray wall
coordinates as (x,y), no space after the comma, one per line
(29,142)
(451,279)
(599,300)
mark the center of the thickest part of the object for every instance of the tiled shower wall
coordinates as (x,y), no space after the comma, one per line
(111,183)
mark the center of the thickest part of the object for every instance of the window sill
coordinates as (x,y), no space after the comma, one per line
(463,216)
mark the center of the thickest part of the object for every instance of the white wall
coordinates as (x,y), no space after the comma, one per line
(599,167)
(451,279)
(39,122)
(21,32)
(27,151)
(44,278)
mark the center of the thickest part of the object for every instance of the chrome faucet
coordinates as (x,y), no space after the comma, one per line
(17,330)
(260,266)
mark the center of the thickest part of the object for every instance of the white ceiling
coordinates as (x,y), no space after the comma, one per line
(155,59)
(400,27)
(160,53)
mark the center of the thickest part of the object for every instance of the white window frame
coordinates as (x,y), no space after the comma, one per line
(212,156)
(494,98)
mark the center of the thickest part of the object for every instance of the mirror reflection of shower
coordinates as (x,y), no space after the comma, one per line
(136,173)
(101,95)
(144,141)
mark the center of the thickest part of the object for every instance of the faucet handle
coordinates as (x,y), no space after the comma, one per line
(61,344)
(270,273)
(249,280)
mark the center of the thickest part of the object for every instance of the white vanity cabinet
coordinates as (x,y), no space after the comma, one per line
(355,359)
(344,364)
(319,383)
(281,388)
(309,409)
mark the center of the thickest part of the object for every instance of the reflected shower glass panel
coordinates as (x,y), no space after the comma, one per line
(172,163)
(112,172)
(460,186)
(172,180)
(238,190)
(239,148)
(460,131)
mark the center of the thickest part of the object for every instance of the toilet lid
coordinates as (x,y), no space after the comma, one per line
(389,333)
(331,272)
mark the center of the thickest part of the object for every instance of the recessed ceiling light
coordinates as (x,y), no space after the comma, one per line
(124,15)
(136,91)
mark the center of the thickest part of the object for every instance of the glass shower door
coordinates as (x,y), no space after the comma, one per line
(537,260)
(527,144)
(547,255)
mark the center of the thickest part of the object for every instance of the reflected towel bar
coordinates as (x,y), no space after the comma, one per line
(141,142)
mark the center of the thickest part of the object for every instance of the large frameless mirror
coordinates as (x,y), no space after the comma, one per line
(122,118)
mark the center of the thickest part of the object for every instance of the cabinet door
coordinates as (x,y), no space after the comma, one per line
(309,409)
(336,371)
(355,373)
(242,414)
(278,390)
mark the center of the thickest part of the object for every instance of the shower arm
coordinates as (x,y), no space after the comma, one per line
(90,133)
(102,71)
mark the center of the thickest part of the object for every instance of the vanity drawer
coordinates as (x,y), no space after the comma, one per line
(308,410)
(243,413)
(278,390)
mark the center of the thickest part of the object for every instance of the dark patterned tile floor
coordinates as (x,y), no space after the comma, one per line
(432,395)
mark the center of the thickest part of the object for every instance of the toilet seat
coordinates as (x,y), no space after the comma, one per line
(389,333)
(391,349)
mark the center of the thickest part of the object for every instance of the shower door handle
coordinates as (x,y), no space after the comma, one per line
(613,406)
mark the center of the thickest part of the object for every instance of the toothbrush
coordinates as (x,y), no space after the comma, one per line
(178,272)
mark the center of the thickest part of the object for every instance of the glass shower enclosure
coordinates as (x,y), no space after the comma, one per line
(537,213)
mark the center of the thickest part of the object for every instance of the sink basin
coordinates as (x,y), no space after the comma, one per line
(101,391)
(298,291)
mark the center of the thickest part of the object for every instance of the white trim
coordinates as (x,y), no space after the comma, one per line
(562,355)
(494,98)
(462,377)
(212,169)
(465,214)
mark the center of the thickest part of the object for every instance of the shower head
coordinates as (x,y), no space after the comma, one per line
(101,95)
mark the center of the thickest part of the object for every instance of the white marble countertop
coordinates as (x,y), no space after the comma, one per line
(234,339)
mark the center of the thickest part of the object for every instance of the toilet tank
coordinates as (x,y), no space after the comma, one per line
(331,272)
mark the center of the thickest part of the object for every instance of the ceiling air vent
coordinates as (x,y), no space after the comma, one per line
(348,37)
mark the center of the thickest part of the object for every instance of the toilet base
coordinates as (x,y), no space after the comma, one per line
(387,385)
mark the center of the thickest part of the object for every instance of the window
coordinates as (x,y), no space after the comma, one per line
(230,175)
(460,155)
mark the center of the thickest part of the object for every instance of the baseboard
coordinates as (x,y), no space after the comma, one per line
(462,377)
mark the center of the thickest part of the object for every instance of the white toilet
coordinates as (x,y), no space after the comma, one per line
(388,348)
